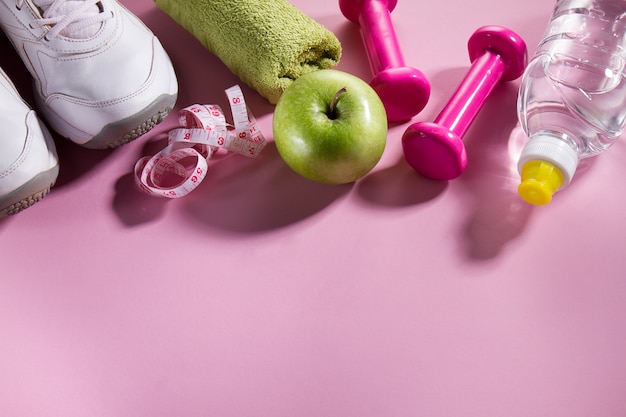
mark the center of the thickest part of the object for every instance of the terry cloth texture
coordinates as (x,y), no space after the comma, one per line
(266,43)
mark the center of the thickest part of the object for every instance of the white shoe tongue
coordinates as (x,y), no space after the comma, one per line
(76,30)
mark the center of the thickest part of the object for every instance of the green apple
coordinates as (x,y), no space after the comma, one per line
(330,126)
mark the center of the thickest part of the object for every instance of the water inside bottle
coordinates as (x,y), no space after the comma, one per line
(576,81)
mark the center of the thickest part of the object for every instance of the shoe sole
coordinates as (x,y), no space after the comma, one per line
(126,130)
(29,193)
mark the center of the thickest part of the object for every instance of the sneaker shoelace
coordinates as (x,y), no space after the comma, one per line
(77,19)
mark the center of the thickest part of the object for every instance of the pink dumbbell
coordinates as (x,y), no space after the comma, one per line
(403,90)
(436,150)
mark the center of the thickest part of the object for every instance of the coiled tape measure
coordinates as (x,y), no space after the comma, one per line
(203,130)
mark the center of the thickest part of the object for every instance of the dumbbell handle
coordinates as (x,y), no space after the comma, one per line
(483,76)
(382,45)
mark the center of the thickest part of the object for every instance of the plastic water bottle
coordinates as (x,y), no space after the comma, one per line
(572,98)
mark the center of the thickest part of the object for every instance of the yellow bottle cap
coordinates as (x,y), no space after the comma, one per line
(540,179)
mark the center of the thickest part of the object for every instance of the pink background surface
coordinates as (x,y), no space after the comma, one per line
(263,294)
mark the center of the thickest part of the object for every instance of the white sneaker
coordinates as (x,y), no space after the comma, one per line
(28,159)
(101,77)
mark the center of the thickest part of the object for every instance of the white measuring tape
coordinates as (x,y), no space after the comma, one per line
(182,165)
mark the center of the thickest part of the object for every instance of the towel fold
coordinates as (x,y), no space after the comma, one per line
(266,43)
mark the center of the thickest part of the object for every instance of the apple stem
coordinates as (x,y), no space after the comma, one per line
(333,102)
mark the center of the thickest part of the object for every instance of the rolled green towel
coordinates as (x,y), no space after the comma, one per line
(266,43)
